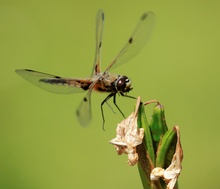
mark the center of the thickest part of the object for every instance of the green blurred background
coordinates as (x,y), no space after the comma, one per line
(42,145)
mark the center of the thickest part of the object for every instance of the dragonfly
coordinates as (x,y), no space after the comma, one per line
(99,81)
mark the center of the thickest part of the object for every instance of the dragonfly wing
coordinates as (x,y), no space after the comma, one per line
(137,40)
(99,30)
(53,83)
(83,112)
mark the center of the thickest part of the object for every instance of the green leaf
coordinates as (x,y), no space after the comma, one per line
(146,153)
(166,149)
(158,125)
(143,123)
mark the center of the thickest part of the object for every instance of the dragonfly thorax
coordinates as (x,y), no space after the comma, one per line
(123,84)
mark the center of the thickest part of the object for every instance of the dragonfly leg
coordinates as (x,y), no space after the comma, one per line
(128,96)
(103,102)
(114,101)
(110,107)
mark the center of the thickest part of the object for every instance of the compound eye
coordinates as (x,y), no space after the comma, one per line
(123,84)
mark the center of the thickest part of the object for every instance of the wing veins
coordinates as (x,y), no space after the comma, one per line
(53,83)
(136,42)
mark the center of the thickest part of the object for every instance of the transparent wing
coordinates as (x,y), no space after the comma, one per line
(55,84)
(99,30)
(136,42)
(83,112)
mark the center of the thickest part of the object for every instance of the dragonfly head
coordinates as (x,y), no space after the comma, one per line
(123,84)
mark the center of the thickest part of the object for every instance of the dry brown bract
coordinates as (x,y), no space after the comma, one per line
(128,136)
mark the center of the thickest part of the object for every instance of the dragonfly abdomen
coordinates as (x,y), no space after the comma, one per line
(80,83)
